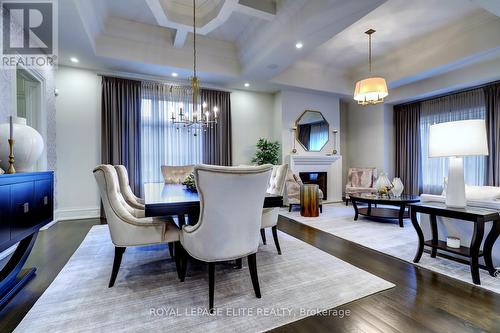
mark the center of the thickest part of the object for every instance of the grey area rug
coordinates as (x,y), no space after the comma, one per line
(148,297)
(388,238)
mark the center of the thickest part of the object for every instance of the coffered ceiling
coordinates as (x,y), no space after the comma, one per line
(254,40)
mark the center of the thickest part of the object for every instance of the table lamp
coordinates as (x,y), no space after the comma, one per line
(456,139)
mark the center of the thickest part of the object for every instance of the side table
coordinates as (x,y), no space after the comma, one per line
(309,200)
(476,215)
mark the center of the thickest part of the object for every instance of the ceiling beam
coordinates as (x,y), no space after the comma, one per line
(262,9)
(180,38)
(490,5)
(92,19)
(165,20)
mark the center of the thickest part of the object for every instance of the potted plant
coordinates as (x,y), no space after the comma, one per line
(267,152)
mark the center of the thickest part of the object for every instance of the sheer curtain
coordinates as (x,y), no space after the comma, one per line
(162,141)
(460,106)
(318,136)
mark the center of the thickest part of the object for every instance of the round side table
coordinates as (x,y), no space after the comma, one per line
(309,200)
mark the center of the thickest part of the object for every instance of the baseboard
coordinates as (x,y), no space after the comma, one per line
(77,214)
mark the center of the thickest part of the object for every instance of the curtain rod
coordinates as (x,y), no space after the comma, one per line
(141,77)
(455,92)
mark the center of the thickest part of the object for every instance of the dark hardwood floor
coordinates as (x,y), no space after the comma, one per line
(422,301)
(51,252)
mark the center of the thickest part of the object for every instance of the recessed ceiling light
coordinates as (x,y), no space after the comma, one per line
(247,84)
(175,74)
(73,59)
(299,45)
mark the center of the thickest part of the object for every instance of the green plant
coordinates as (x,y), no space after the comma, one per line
(267,152)
(190,183)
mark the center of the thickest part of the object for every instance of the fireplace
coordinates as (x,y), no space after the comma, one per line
(318,178)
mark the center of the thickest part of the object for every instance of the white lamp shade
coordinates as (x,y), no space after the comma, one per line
(371,89)
(458,138)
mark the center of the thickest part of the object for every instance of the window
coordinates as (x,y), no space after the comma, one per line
(462,106)
(164,142)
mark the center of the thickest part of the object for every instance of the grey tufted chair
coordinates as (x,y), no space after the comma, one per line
(175,174)
(125,189)
(125,227)
(270,215)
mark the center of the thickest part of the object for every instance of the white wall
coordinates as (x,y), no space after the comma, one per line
(78,142)
(369,137)
(79,127)
(293,104)
(252,118)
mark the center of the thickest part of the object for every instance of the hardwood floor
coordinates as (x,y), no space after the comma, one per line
(422,301)
(51,252)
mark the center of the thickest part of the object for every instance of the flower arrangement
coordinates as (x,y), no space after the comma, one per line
(190,183)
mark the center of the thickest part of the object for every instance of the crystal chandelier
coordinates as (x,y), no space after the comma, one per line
(373,89)
(201,116)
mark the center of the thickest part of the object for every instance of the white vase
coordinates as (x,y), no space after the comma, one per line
(28,146)
(397,187)
(382,182)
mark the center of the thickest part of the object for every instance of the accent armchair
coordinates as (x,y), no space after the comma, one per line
(176,174)
(231,200)
(125,228)
(292,187)
(270,215)
(125,189)
(360,180)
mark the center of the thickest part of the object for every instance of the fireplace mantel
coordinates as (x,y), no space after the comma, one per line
(321,163)
(314,159)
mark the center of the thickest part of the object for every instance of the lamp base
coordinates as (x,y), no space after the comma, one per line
(455,191)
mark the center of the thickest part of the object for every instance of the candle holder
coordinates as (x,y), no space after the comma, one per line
(11,169)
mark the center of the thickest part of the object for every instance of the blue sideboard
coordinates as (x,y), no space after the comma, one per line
(26,205)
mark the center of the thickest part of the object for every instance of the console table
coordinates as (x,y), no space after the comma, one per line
(26,205)
(476,215)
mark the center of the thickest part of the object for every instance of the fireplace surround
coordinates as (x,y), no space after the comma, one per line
(318,178)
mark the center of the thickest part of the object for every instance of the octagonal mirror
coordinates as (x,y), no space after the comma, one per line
(312,130)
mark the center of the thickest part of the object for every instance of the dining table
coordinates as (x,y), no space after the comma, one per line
(176,200)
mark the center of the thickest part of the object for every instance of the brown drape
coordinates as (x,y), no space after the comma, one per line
(217,138)
(120,126)
(492,99)
(408,149)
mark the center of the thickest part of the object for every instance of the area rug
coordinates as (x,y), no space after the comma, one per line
(388,238)
(148,297)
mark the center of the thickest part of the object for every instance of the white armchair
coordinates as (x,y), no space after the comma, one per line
(125,189)
(270,215)
(231,200)
(125,228)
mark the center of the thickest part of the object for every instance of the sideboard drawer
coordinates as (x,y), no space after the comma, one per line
(22,207)
(4,214)
(43,200)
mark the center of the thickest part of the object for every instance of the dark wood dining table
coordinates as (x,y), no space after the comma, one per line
(174,199)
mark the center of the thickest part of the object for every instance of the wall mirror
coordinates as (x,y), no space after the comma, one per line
(312,130)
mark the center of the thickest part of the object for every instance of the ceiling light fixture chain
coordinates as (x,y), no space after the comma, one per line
(373,89)
(200,115)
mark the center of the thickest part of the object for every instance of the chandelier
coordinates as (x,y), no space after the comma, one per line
(200,116)
(373,89)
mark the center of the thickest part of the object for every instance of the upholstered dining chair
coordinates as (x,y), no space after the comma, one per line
(125,189)
(360,180)
(231,200)
(176,174)
(276,186)
(125,228)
